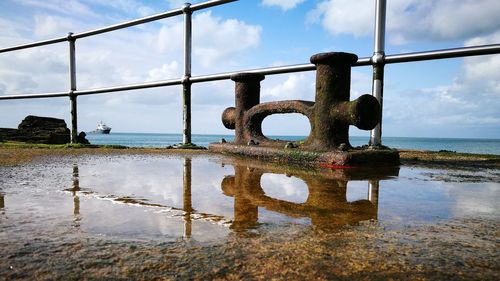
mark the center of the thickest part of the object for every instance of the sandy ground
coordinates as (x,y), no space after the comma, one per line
(457,250)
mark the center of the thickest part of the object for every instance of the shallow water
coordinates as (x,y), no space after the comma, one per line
(208,200)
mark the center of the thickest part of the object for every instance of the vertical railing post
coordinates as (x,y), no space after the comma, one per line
(186,83)
(72,85)
(378,67)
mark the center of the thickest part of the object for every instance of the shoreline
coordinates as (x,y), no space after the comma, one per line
(12,153)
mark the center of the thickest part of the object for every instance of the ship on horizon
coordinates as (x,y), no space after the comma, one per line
(102,128)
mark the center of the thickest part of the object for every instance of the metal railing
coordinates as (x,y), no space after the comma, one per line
(377,61)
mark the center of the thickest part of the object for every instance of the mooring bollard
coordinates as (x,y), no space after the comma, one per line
(330,116)
(333,111)
(247,90)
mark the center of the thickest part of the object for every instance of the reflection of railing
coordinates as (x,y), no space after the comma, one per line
(75,188)
(378,60)
(186,212)
(2,201)
(326,204)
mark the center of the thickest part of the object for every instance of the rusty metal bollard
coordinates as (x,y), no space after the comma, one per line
(333,112)
(330,115)
(247,90)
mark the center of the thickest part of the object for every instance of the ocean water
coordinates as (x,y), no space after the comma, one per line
(484,146)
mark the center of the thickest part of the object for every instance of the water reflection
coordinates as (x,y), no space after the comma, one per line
(326,204)
(75,188)
(238,201)
(187,203)
(2,202)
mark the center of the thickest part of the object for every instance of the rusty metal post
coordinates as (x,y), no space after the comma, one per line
(72,85)
(333,85)
(247,88)
(186,83)
(378,61)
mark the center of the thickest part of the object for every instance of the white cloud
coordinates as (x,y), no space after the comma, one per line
(282,4)
(410,20)
(344,16)
(47,26)
(295,86)
(166,71)
(66,7)
(127,6)
(483,68)
(215,38)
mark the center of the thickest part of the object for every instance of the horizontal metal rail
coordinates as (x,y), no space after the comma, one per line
(444,54)
(122,25)
(389,59)
(171,13)
(129,87)
(35,44)
(35,96)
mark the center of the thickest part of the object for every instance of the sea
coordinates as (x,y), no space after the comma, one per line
(480,146)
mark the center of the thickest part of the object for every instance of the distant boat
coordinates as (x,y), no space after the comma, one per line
(102,128)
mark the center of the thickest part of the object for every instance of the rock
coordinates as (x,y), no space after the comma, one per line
(36,129)
(7,134)
(81,138)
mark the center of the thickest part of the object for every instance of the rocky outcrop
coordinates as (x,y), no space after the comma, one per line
(48,130)
(36,129)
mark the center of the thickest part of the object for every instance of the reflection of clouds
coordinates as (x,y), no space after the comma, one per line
(469,199)
(160,180)
(357,190)
(139,222)
(206,190)
(153,178)
(283,187)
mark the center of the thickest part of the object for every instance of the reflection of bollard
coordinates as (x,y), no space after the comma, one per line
(326,204)
(247,96)
(333,112)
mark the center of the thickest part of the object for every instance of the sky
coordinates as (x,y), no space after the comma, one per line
(456,98)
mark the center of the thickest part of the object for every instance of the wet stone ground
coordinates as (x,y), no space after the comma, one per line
(208,217)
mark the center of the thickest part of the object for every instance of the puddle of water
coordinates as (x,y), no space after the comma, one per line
(209,199)
(205,198)
(167,197)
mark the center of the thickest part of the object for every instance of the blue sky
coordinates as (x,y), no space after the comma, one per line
(446,98)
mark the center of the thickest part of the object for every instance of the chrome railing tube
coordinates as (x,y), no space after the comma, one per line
(72,88)
(186,83)
(378,67)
